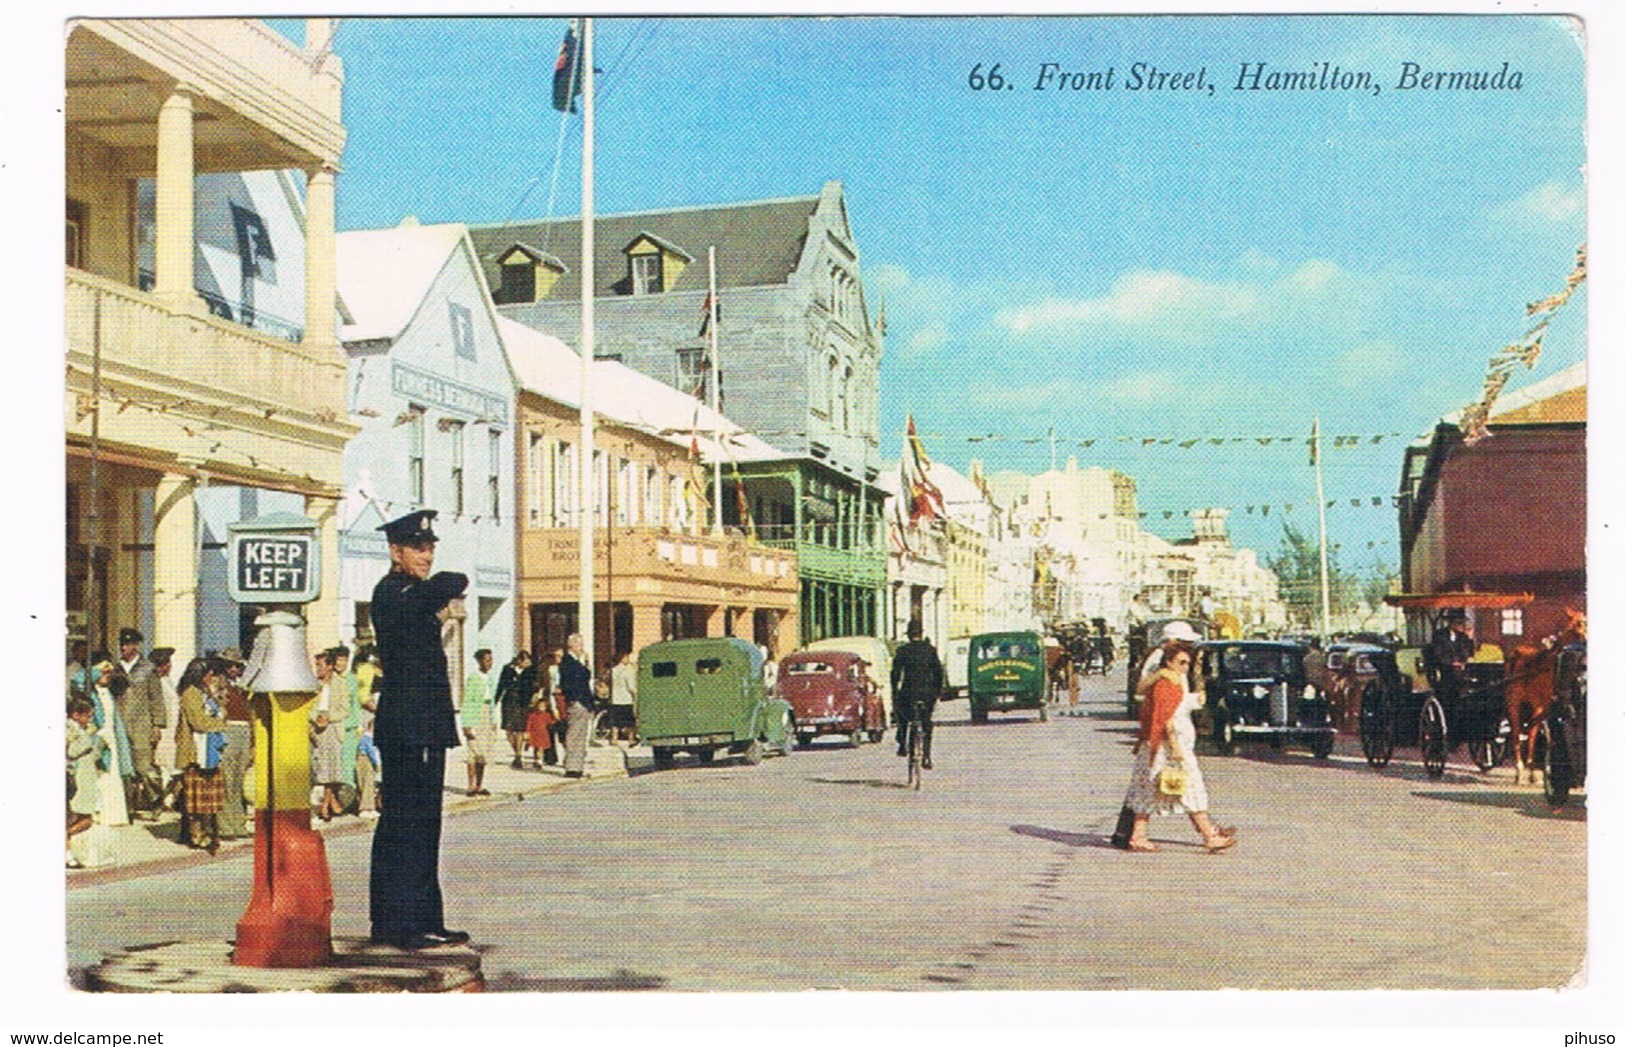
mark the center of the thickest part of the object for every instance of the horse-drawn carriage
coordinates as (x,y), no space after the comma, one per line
(1417,699)
(1563,735)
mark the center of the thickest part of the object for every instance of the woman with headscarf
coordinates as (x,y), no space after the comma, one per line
(96,683)
(1166,778)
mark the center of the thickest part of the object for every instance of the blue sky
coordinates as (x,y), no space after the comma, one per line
(1109,264)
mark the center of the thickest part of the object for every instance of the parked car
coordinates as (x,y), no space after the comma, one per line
(705,696)
(830,692)
(1007,672)
(873,650)
(1258,689)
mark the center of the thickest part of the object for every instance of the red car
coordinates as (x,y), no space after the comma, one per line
(831,693)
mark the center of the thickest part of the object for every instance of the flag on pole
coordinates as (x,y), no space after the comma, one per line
(1314,444)
(694,487)
(567,73)
(705,314)
(923,498)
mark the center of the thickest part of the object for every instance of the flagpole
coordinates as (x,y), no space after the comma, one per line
(589,480)
(1320,501)
(716,399)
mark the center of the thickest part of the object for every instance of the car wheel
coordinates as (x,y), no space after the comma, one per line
(1321,744)
(664,758)
(705,755)
(754,752)
(804,740)
(978,715)
(1224,733)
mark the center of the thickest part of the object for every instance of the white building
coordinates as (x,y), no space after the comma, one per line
(431,388)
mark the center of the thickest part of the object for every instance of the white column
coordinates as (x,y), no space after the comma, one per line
(320,262)
(175,567)
(322,614)
(174,238)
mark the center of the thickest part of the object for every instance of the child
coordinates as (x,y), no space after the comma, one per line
(85,749)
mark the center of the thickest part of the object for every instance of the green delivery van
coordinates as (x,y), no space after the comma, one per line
(1006,672)
(705,696)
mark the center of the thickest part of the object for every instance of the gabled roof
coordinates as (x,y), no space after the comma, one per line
(384,274)
(547,367)
(663,244)
(534,254)
(758,243)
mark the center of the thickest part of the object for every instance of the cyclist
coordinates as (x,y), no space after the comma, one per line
(917,681)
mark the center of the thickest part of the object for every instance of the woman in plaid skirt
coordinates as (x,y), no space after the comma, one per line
(200,737)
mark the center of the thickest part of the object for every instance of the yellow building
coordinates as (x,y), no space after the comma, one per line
(165,398)
(659,572)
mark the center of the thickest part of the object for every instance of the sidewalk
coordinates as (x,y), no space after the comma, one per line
(142,848)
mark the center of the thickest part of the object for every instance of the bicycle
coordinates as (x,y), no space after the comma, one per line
(916,754)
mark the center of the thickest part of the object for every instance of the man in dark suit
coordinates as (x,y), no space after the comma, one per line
(414,728)
(916,683)
(1452,648)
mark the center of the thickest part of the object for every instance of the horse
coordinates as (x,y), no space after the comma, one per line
(1528,693)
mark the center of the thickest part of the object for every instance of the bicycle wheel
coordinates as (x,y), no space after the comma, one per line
(916,775)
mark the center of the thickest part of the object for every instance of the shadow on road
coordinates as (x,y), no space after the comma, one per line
(620,981)
(1530,805)
(1058,836)
(873,783)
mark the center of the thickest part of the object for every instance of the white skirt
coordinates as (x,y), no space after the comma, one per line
(1143,797)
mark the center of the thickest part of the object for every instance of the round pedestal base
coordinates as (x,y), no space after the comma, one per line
(357,965)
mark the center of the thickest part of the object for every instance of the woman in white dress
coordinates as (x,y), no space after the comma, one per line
(112,809)
(1167,741)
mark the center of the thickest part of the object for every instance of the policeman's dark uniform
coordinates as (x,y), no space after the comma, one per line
(415,726)
(916,682)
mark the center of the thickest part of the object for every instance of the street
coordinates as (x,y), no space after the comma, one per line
(819,871)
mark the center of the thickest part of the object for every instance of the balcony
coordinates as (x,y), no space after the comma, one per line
(161,357)
(652,561)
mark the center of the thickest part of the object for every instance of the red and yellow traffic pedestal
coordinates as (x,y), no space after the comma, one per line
(289,918)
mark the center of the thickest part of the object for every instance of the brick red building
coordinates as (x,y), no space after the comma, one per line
(1507,514)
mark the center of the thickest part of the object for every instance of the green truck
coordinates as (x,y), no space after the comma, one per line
(705,696)
(1006,671)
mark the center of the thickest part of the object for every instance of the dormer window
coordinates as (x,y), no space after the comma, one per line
(527,274)
(653,265)
(646,274)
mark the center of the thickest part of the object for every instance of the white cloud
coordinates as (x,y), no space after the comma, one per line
(925,340)
(1140,390)
(1165,308)
(1550,202)
(1372,360)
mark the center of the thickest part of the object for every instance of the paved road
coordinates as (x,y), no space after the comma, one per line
(820,871)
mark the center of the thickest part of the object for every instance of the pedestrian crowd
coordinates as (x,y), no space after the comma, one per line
(141,742)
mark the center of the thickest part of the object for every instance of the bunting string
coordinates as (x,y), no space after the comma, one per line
(1525,350)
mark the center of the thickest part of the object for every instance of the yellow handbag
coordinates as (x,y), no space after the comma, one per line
(1172,781)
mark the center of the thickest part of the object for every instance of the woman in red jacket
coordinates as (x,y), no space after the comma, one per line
(1167,742)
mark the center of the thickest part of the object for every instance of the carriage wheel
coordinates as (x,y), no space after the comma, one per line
(1492,750)
(1321,744)
(1376,726)
(1556,781)
(1433,738)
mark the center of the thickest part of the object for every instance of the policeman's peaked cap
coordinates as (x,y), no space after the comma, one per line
(416,526)
(129,635)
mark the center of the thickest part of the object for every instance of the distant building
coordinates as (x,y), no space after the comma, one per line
(1507,514)
(800,359)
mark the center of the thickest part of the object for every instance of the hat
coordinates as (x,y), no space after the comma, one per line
(1455,614)
(160,655)
(416,526)
(129,635)
(1180,631)
(231,655)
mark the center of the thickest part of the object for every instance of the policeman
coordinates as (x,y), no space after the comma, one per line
(414,728)
(916,683)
